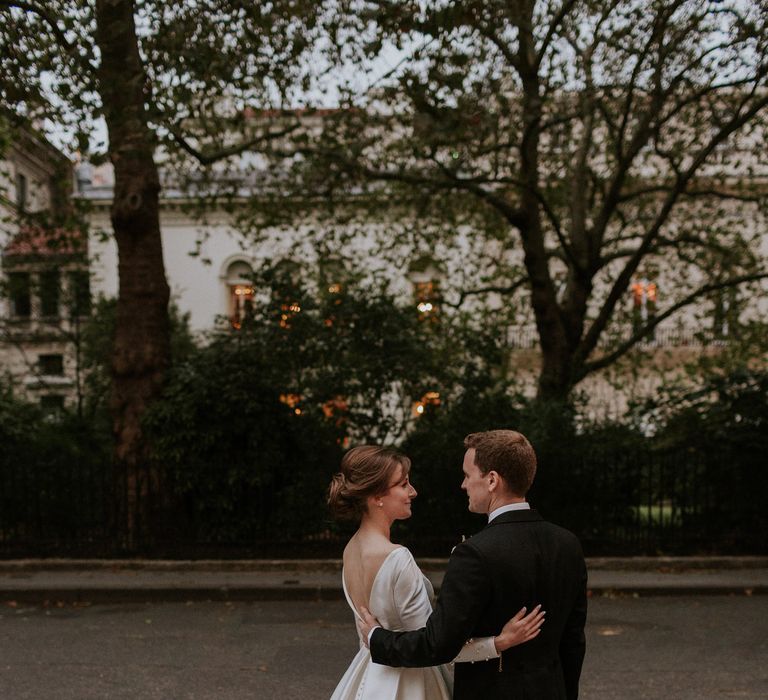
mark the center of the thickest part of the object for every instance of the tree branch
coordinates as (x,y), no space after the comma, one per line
(498,289)
(235,150)
(43,14)
(589,341)
(558,18)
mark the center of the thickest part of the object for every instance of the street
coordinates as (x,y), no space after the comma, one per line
(680,648)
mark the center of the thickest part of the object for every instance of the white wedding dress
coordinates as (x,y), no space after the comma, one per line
(401,599)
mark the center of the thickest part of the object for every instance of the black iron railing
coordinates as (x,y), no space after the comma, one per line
(643,499)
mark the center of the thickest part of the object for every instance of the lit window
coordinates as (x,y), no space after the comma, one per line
(644,297)
(336,409)
(287,311)
(425,277)
(292,401)
(241,292)
(241,304)
(427,296)
(430,400)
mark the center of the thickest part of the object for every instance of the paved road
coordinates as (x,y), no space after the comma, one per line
(681,648)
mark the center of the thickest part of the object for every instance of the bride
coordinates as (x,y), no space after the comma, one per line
(373,488)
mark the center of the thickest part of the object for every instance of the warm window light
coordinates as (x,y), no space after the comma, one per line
(291,400)
(240,304)
(336,405)
(644,297)
(288,310)
(427,296)
(431,398)
(334,288)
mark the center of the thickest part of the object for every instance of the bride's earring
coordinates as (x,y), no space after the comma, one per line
(380,504)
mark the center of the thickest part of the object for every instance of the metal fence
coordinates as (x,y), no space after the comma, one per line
(633,501)
(55,509)
(686,500)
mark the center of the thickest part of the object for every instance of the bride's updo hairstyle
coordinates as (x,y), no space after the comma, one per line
(366,471)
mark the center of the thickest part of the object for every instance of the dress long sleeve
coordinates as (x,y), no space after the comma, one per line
(413,602)
(442,637)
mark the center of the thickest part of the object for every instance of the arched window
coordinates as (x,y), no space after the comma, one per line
(239,280)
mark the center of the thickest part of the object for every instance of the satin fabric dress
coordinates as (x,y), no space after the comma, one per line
(401,599)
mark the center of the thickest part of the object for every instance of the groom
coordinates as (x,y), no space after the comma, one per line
(518,560)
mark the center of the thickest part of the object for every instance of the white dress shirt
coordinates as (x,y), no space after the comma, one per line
(505,509)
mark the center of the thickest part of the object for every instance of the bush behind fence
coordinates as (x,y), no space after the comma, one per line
(636,497)
(248,471)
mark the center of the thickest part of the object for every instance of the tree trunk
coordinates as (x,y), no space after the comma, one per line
(555,377)
(141,350)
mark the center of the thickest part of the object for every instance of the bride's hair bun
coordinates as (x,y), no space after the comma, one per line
(368,470)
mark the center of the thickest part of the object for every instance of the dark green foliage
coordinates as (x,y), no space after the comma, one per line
(440,514)
(53,481)
(724,429)
(252,425)
(253,473)
(248,467)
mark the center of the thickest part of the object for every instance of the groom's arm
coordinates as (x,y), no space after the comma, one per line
(463,595)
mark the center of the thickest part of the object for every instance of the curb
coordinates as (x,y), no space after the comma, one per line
(249,594)
(112,596)
(661,564)
(104,581)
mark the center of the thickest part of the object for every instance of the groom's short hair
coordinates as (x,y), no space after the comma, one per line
(506,452)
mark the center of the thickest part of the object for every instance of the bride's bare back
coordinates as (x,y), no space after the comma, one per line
(363,557)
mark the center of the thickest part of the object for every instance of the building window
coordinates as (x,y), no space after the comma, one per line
(79,293)
(51,365)
(427,295)
(430,400)
(52,404)
(49,293)
(726,313)
(644,297)
(21,193)
(293,401)
(425,278)
(240,290)
(19,288)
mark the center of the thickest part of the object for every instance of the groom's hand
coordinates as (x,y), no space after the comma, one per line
(366,623)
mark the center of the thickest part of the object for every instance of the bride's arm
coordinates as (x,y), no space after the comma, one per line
(521,628)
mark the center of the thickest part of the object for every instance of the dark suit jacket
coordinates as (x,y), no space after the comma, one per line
(517,560)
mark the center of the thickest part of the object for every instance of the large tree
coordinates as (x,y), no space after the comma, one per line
(159,74)
(589,141)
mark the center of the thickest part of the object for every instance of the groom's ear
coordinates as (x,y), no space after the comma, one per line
(494,480)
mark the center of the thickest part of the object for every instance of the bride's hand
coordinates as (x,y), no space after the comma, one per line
(521,628)
(366,623)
